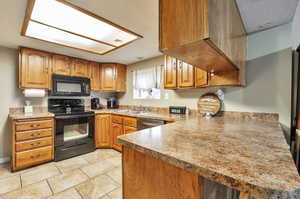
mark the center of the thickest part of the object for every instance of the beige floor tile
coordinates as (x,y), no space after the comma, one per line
(68,194)
(39,174)
(116,161)
(97,168)
(5,172)
(116,194)
(116,174)
(113,153)
(10,184)
(96,187)
(105,197)
(71,164)
(35,191)
(67,180)
(98,155)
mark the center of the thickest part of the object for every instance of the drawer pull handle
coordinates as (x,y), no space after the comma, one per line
(33,126)
(36,156)
(37,144)
(35,134)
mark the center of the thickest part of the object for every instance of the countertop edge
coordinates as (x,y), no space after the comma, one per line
(258,191)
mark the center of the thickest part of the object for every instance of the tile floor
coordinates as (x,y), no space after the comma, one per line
(96,175)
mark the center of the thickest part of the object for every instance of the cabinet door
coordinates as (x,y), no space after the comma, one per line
(61,65)
(200,77)
(170,73)
(121,78)
(108,77)
(95,76)
(34,69)
(185,75)
(102,131)
(80,68)
(117,130)
(129,129)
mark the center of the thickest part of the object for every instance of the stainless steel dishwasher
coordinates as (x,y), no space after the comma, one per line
(145,123)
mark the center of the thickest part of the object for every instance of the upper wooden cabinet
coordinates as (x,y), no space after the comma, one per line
(103,135)
(185,75)
(189,76)
(61,65)
(108,76)
(80,68)
(34,69)
(95,76)
(170,72)
(205,33)
(201,77)
(120,78)
(113,77)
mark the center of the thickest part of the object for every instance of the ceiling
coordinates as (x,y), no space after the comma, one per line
(260,15)
(140,16)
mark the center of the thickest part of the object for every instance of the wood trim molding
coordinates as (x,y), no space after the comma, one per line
(27,19)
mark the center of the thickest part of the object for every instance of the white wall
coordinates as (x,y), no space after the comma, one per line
(267,91)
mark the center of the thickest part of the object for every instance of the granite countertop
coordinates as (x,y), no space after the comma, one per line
(18,114)
(251,156)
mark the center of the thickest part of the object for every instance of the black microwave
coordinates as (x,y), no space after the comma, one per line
(70,86)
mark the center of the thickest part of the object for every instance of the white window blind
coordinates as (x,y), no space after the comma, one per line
(147,83)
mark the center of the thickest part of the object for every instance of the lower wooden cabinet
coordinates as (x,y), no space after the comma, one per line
(103,131)
(117,130)
(129,129)
(32,142)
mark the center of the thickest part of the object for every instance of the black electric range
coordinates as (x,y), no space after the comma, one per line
(74,128)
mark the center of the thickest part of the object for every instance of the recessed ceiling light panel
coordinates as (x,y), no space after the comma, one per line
(60,22)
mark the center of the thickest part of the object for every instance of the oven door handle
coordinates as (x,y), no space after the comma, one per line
(74,116)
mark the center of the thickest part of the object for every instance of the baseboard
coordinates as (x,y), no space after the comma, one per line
(4,160)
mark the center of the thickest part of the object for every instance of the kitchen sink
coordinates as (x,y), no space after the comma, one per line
(133,112)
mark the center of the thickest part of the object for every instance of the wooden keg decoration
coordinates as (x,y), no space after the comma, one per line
(209,104)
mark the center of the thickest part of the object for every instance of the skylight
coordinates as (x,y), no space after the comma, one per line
(58,21)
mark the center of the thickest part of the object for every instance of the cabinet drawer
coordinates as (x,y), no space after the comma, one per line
(130,121)
(33,157)
(27,135)
(42,124)
(128,129)
(117,119)
(32,144)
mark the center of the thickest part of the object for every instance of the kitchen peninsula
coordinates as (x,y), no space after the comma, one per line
(248,155)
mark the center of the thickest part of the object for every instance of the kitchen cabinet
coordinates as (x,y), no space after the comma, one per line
(108,75)
(80,68)
(113,77)
(61,65)
(204,33)
(189,76)
(201,77)
(120,78)
(117,130)
(34,69)
(185,75)
(95,76)
(170,73)
(103,131)
(32,142)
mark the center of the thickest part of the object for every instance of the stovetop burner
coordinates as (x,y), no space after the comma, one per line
(67,106)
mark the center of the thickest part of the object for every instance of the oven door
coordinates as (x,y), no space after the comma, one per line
(74,135)
(70,86)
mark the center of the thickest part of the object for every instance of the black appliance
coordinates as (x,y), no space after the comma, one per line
(177,110)
(70,86)
(112,103)
(145,123)
(95,103)
(74,128)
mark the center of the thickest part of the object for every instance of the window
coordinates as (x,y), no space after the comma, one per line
(147,83)
(61,22)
